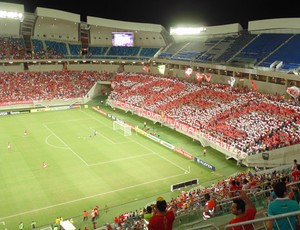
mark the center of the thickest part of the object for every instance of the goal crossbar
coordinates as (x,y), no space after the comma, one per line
(120,125)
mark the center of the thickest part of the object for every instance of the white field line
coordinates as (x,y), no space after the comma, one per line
(89,197)
(98,133)
(68,147)
(178,166)
(121,159)
(105,193)
(111,141)
(54,146)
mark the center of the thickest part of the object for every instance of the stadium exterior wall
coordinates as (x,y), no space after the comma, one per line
(279,25)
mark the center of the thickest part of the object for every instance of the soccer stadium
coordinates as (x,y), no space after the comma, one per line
(103,120)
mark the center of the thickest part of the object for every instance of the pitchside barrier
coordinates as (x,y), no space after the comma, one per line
(184,184)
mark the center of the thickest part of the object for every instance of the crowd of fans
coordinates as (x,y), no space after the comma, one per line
(217,199)
(251,121)
(248,120)
(26,87)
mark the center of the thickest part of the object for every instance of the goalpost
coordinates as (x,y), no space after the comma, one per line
(122,126)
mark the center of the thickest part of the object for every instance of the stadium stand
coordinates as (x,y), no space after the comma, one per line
(50,68)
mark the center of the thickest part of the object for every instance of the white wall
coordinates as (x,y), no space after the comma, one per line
(12,68)
(56,24)
(44,67)
(281,25)
(10,26)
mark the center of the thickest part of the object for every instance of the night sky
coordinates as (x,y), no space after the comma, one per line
(173,13)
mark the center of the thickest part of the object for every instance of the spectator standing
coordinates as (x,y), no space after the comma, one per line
(245,185)
(162,218)
(148,213)
(238,208)
(108,226)
(234,188)
(93,215)
(96,210)
(95,225)
(294,165)
(209,207)
(296,174)
(85,215)
(294,193)
(282,204)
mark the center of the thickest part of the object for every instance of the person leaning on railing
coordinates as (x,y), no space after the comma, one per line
(282,204)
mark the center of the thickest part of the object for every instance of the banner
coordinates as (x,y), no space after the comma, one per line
(293,91)
(205,164)
(207,77)
(146,68)
(161,69)
(199,76)
(254,85)
(231,81)
(188,72)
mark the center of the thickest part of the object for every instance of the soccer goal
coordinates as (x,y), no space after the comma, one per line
(122,126)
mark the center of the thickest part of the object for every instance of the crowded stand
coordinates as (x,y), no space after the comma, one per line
(263,122)
(247,119)
(217,198)
(241,116)
(26,87)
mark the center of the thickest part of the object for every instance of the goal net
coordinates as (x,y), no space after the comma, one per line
(120,125)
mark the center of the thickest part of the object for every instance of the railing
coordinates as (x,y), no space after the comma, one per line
(261,222)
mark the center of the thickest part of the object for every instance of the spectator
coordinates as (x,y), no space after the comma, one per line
(294,194)
(245,185)
(209,207)
(282,204)
(162,218)
(148,213)
(296,174)
(234,188)
(95,225)
(108,226)
(238,208)
(294,165)
(85,215)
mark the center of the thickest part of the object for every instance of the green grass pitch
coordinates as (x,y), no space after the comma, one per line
(115,172)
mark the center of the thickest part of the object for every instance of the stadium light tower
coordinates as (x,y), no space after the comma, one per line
(187,30)
(11,15)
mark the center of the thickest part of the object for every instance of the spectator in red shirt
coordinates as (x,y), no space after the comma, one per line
(296,174)
(209,207)
(294,165)
(162,219)
(85,215)
(238,208)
